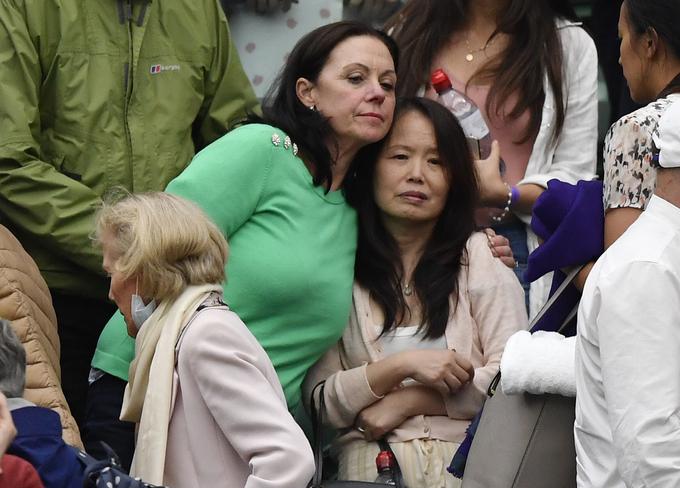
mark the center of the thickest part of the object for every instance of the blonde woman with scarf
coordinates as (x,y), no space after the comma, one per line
(206,399)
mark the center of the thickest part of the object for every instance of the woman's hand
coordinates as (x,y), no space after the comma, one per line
(399,405)
(493,191)
(443,370)
(382,417)
(500,248)
(7,429)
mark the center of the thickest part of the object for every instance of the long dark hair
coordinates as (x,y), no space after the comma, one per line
(660,16)
(378,265)
(282,107)
(423,27)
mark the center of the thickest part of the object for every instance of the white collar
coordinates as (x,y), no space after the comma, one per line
(17,403)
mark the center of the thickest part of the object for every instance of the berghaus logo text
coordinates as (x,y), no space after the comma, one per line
(159,68)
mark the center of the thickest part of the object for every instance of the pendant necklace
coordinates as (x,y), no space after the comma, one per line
(470,56)
(407,289)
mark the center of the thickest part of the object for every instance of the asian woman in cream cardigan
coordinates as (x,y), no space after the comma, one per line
(432,307)
(209,407)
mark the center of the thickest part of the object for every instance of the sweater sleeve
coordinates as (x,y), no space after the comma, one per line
(227,179)
(53,208)
(347,391)
(225,361)
(498,310)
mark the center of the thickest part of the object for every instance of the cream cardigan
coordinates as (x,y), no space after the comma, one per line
(490,309)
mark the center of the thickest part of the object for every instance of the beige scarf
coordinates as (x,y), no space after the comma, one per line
(150,380)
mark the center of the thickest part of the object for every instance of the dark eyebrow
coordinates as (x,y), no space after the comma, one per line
(392,147)
(366,68)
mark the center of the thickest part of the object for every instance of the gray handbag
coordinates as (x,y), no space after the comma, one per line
(525,441)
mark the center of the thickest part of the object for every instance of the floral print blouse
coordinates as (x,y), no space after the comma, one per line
(629,178)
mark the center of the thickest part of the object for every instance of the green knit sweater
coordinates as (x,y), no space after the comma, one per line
(291,256)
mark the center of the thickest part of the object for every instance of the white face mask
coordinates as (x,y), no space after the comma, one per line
(140,311)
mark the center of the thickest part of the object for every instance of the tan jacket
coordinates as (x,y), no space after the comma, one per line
(25,301)
(490,309)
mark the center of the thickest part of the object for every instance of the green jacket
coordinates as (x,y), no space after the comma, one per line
(96,94)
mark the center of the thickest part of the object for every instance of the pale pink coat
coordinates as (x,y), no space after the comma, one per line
(230,426)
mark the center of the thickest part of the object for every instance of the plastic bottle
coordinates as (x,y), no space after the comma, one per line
(385,463)
(467,113)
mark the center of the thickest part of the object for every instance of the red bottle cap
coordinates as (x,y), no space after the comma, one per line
(440,81)
(384,460)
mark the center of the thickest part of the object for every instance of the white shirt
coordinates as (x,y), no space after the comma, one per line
(627,425)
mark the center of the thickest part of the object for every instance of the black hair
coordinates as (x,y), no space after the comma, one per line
(660,15)
(378,265)
(282,107)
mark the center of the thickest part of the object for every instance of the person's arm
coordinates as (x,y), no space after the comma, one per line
(349,391)
(36,198)
(228,366)
(629,180)
(228,178)
(229,95)
(639,339)
(494,191)
(616,222)
(498,310)
(399,405)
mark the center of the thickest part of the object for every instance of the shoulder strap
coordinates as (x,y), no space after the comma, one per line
(553,298)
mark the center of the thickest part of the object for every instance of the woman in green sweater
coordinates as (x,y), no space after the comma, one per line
(274,189)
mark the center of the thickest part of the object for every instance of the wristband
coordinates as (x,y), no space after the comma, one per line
(514,196)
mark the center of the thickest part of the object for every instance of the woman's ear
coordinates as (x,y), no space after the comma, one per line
(651,46)
(304,89)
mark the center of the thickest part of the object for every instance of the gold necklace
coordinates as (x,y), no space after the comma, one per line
(470,56)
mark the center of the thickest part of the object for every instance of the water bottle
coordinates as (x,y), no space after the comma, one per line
(467,113)
(385,463)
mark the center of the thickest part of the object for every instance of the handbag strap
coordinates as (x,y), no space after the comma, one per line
(317,426)
(317,411)
(491,391)
(555,296)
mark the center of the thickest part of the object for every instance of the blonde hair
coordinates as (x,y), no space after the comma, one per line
(167,242)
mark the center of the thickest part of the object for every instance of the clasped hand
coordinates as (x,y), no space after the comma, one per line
(439,373)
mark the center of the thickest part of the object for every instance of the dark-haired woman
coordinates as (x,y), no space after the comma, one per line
(432,307)
(650,57)
(274,189)
(532,73)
